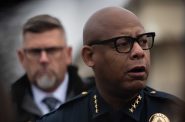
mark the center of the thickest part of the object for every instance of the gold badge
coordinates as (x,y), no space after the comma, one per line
(159,117)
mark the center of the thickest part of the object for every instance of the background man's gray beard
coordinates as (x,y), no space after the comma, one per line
(46,82)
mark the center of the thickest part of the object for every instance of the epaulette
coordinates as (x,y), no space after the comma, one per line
(56,113)
(159,94)
(74,99)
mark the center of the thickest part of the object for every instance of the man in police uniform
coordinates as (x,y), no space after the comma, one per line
(116,47)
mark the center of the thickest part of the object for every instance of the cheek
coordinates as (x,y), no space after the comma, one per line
(59,65)
(148,60)
(113,66)
(118,63)
(59,69)
(31,69)
(29,65)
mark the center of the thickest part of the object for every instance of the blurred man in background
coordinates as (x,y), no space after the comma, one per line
(50,78)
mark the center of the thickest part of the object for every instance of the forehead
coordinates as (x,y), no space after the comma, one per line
(121,29)
(112,22)
(53,37)
(120,24)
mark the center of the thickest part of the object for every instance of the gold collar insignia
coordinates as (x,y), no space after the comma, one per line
(135,104)
(96,104)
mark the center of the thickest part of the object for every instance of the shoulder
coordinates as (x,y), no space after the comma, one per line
(75,100)
(72,68)
(21,82)
(69,111)
(20,87)
(161,103)
(155,95)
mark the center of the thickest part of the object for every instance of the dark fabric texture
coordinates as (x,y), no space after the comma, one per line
(92,108)
(26,109)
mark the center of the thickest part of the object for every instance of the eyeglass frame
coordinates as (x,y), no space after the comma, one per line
(131,41)
(47,50)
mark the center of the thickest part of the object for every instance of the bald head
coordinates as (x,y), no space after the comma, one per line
(109,22)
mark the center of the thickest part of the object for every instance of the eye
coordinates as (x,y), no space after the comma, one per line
(53,50)
(123,42)
(143,41)
(34,51)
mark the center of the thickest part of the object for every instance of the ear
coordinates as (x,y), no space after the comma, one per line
(21,56)
(69,55)
(87,55)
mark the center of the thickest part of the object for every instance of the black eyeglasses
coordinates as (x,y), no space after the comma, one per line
(124,44)
(35,53)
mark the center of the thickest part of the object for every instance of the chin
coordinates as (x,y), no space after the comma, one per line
(49,90)
(46,83)
(139,84)
(134,86)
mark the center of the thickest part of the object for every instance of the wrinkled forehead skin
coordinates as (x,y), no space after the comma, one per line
(107,22)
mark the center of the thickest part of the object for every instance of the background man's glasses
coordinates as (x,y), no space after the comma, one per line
(35,53)
(124,44)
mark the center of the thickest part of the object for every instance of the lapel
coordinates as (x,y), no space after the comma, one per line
(30,106)
(21,93)
(75,84)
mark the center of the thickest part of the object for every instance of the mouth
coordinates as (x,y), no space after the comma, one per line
(137,72)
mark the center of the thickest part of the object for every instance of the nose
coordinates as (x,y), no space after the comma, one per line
(43,57)
(137,52)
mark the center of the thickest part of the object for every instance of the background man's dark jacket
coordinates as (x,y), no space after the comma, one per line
(25,108)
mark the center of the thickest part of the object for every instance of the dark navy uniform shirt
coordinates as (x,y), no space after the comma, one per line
(149,106)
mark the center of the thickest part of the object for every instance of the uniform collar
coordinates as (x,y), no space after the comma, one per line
(136,107)
(99,107)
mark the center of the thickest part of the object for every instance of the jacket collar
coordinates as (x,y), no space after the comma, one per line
(22,95)
(99,107)
(30,106)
